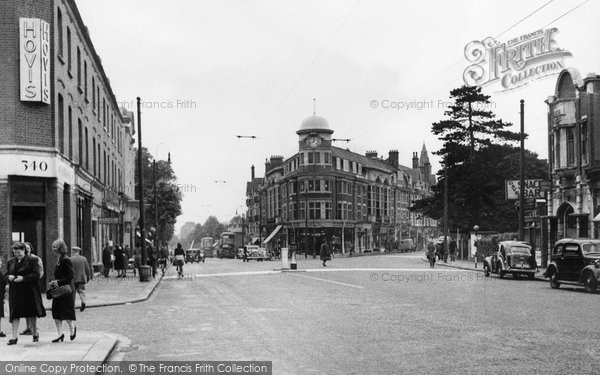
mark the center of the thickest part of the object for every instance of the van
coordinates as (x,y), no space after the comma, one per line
(406,244)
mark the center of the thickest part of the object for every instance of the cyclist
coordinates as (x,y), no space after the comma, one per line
(162,259)
(179,258)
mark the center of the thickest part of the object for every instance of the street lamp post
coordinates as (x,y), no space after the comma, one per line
(144,268)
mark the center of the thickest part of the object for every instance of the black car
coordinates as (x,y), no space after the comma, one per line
(514,257)
(575,261)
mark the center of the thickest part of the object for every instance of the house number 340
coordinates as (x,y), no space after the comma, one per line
(34,165)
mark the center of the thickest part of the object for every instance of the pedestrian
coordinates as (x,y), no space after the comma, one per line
(106,257)
(119,264)
(431,254)
(179,257)
(82,273)
(245,257)
(24,296)
(325,252)
(137,258)
(152,259)
(63,307)
(30,252)
(2,292)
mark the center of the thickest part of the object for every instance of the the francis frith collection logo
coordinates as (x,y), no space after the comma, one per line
(514,63)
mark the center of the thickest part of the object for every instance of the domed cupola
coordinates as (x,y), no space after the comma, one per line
(315,124)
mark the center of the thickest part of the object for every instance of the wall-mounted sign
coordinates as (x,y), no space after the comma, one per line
(108,220)
(533,189)
(514,63)
(34,54)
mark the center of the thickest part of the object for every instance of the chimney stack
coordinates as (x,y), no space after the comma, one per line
(415,160)
(371,154)
(252,169)
(393,158)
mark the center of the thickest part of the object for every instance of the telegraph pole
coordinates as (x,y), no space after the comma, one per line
(522,176)
(445,207)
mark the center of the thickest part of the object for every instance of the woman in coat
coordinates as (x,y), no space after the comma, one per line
(119,261)
(25,299)
(63,307)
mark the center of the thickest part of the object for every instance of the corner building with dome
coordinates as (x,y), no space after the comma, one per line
(355,201)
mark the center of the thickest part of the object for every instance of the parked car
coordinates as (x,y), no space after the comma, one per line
(514,257)
(258,253)
(575,261)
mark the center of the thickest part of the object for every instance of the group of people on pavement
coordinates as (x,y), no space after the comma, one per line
(116,258)
(22,280)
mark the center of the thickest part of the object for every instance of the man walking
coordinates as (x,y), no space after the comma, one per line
(325,252)
(106,259)
(82,273)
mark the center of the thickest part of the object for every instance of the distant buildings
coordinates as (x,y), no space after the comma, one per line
(326,192)
(574,155)
(66,157)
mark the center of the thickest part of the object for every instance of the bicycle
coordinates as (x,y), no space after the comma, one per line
(162,263)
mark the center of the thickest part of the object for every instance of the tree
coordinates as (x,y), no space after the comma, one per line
(480,158)
(211,228)
(470,126)
(167,193)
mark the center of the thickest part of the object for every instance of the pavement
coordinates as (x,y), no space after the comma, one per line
(470,265)
(95,346)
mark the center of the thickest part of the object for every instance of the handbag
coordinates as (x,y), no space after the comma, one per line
(59,291)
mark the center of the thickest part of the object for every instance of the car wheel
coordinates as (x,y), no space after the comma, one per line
(516,276)
(590,283)
(486,271)
(531,276)
(554,284)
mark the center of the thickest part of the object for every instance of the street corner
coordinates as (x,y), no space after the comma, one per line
(87,346)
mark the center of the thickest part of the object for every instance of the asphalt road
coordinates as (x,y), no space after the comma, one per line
(378,314)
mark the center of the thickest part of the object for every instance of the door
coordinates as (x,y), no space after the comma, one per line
(28,221)
(572,262)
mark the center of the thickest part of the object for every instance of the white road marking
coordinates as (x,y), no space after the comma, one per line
(384,269)
(328,281)
(249,273)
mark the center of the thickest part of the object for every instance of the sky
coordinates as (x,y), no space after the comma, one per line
(380,71)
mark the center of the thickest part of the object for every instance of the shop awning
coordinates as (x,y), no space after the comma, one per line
(597,218)
(272,234)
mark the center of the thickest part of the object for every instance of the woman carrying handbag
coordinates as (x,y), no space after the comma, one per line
(24,295)
(63,305)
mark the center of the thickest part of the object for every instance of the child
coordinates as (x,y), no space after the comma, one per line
(2,292)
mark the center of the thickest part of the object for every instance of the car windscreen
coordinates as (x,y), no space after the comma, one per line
(520,250)
(591,247)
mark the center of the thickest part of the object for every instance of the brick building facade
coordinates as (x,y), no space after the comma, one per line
(66,157)
(356,201)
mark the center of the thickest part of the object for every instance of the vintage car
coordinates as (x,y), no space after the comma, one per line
(194,255)
(406,244)
(258,253)
(514,257)
(575,261)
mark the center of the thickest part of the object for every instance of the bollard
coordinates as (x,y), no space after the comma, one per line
(145,273)
(293,264)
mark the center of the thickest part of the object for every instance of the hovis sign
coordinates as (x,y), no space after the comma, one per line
(34,55)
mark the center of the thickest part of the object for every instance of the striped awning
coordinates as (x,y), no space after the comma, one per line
(272,234)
